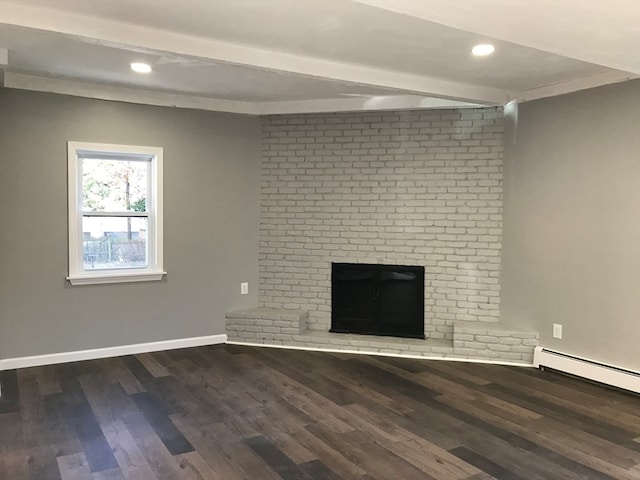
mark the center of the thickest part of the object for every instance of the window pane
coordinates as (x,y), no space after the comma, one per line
(114,242)
(114,185)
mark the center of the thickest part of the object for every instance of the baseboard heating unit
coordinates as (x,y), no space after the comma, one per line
(589,369)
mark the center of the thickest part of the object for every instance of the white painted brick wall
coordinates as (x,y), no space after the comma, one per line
(406,187)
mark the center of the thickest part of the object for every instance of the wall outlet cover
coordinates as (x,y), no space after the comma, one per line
(557,330)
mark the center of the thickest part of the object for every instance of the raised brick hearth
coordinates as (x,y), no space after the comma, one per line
(489,341)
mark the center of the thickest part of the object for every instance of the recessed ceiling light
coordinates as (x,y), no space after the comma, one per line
(140,67)
(483,50)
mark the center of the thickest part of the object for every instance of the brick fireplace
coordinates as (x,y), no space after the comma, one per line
(419,188)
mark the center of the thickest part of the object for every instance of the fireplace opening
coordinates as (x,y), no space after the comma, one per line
(377,299)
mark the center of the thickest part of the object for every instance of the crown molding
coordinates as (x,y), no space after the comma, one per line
(600,79)
(124,94)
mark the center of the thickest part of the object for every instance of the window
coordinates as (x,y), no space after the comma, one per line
(115,213)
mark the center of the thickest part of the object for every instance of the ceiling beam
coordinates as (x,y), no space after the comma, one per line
(153,41)
(364,103)
(149,97)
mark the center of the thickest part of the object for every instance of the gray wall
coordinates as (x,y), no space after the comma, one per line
(211,187)
(571,240)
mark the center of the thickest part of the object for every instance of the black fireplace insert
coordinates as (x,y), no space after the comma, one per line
(377,299)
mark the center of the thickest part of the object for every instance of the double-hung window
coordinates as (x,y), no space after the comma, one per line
(115,213)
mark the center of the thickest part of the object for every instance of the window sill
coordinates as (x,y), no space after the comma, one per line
(116,277)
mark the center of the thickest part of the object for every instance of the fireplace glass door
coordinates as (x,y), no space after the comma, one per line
(377,299)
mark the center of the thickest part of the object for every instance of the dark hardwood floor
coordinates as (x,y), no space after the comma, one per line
(229,412)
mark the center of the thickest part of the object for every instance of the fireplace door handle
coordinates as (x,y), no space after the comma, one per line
(375,297)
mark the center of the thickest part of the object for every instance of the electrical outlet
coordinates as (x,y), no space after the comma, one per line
(244,288)
(557,330)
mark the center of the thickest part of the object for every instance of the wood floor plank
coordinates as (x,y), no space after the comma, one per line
(194,466)
(113,474)
(413,396)
(139,371)
(528,463)
(222,448)
(94,389)
(578,389)
(131,461)
(74,467)
(452,371)
(203,395)
(555,445)
(232,412)
(594,409)
(400,428)
(331,390)
(284,437)
(182,400)
(413,448)
(337,460)
(10,399)
(245,459)
(309,402)
(159,420)
(317,470)
(14,465)
(393,404)
(286,468)
(204,441)
(94,444)
(497,471)
(124,409)
(399,383)
(42,463)
(11,439)
(429,458)
(622,436)
(121,374)
(47,384)
(61,434)
(586,442)
(481,476)
(32,413)
(163,464)
(154,367)
(445,386)
(369,455)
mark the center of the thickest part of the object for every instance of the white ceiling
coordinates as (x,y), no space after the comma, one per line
(280,56)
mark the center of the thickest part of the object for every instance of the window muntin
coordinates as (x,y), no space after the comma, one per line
(115,213)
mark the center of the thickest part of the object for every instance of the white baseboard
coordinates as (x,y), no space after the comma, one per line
(383,354)
(64,357)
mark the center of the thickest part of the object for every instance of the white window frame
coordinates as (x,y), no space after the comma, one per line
(76,151)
